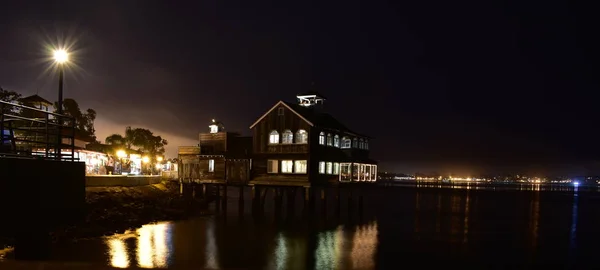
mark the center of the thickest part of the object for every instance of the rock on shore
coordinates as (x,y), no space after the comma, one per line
(111,210)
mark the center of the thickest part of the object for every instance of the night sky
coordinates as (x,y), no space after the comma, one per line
(446,86)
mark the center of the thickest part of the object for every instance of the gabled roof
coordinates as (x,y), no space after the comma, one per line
(312,117)
(35,99)
(285,104)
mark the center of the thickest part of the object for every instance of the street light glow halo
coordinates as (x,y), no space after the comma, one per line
(61,56)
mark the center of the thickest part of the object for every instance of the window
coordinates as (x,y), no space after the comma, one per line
(322,138)
(214,128)
(274,137)
(321,166)
(374,173)
(280,111)
(329,140)
(355,171)
(272,166)
(345,172)
(336,168)
(300,166)
(301,136)
(329,167)
(336,141)
(346,142)
(361,144)
(367,144)
(287,166)
(211,165)
(287,136)
(355,143)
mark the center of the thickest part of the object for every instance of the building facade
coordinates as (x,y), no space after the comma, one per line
(220,157)
(298,143)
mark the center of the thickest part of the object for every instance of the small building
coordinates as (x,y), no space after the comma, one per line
(300,144)
(36,102)
(220,157)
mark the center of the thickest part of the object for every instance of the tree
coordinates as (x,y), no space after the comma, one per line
(143,139)
(9,96)
(84,122)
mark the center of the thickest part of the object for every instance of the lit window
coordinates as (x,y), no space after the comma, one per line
(274,137)
(336,141)
(272,166)
(287,166)
(322,138)
(346,142)
(329,168)
(374,173)
(355,143)
(336,168)
(301,136)
(300,166)
(214,128)
(345,172)
(211,165)
(329,140)
(287,137)
(321,166)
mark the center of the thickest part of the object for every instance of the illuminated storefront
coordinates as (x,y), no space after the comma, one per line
(95,162)
(358,172)
(135,164)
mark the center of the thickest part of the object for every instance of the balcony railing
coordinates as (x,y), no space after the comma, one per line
(25,130)
(287,148)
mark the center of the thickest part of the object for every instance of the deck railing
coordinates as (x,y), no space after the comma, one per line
(27,132)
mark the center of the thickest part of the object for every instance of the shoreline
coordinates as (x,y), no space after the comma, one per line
(113,210)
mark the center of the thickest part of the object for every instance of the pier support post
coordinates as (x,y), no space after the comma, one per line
(277,200)
(218,198)
(224,199)
(337,201)
(204,191)
(291,200)
(324,201)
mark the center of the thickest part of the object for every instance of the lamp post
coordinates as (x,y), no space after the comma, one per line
(60,57)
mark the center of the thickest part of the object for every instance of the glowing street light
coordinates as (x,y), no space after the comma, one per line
(61,57)
(159,159)
(121,154)
(145,159)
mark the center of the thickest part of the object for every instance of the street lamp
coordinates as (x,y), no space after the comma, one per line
(61,57)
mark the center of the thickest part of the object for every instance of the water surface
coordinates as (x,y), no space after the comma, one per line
(400,227)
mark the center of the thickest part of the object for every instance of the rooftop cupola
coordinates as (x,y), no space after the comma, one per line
(216,126)
(310,99)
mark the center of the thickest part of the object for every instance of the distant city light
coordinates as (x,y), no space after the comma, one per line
(576,183)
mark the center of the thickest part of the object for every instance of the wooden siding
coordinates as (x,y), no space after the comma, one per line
(238,171)
(287,148)
(189,150)
(188,167)
(219,170)
(213,143)
(273,121)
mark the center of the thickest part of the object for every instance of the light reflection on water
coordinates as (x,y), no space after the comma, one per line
(342,248)
(152,247)
(469,225)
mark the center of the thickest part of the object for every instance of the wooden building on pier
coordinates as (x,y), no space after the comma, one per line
(220,157)
(298,144)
